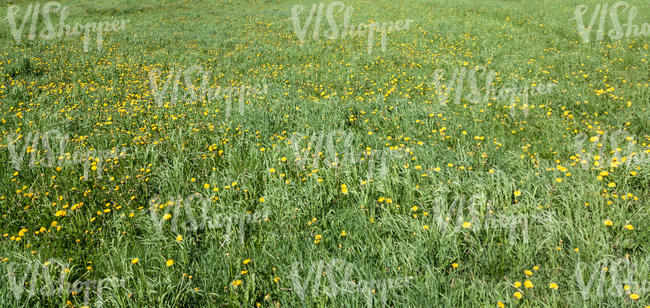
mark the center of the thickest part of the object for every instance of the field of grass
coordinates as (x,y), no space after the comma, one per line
(346,178)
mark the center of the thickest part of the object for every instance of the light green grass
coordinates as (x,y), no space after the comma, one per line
(103,101)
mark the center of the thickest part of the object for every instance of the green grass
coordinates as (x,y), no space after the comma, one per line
(506,157)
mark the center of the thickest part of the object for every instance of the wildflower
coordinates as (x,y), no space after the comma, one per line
(608,223)
(343,233)
(518,295)
(236,283)
(262,200)
(517,193)
(528,273)
(553,285)
(467,224)
(135,261)
(528,284)
(169,262)
(344,189)
(629,227)
(246,261)
(634,296)
(454,265)
(179,238)
(517,284)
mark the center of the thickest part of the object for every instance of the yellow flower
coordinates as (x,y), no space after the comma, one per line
(518,295)
(553,285)
(167,216)
(454,265)
(271,170)
(135,261)
(247,261)
(500,305)
(206,186)
(169,262)
(629,227)
(608,223)
(236,283)
(517,284)
(528,284)
(344,189)
(528,273)
(517,193)
(634,296)
(179,238)
(343,233)
(467,224)
(612,184)
(262,199)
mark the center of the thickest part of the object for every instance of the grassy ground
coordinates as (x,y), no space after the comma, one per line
(559,186)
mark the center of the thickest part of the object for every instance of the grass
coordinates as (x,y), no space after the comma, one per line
(543,194)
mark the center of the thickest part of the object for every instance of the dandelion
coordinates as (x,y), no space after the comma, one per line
(237,283)
(179,238)
(634,296)
(518,295)
(135,261)
(344,189)
(246,261)
(528,284)
(608,223)
(553,285)
(169,262)
(517,193)
(467,224)
(629,227)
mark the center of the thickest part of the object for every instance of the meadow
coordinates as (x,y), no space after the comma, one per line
(256,153)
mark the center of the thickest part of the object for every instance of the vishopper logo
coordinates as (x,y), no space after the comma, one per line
(617,32)
(346,29)
(191,213)
(53,154)
(339,281)
(456,82)
(192,93)
(474,214)
(609,149)
(333,155)
(44,274)
(625,278)
(49,32)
